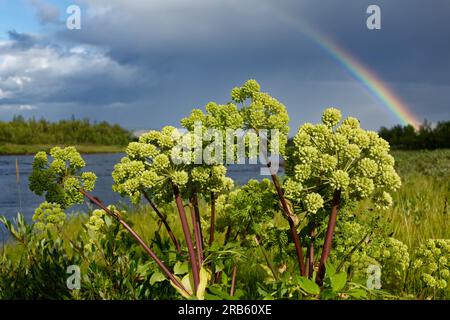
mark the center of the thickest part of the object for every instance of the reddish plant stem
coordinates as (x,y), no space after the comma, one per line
(329,236)
(198,224)
(196,234)
(213,218)
(312,235)
(163,219)
(187,236)
(160,264)
(233,281)
(288,214)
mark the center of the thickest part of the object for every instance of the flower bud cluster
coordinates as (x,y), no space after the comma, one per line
(335,155)
(61,179)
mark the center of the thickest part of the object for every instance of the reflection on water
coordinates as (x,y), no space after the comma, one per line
(18,198)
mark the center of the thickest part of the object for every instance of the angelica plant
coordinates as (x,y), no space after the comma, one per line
(248,213)
(432,264)
(261,111)
(61,179)
(248,209)
(333,162)
(364,241)
(63,183)
(48,216)
(154,166)
(208,131)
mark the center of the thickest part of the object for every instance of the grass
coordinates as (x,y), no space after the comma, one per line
(421,207)
(21,149)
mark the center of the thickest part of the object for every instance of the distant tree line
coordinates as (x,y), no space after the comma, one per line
(426,137)
(73,131)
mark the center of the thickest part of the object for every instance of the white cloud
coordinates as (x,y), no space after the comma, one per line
(41,73)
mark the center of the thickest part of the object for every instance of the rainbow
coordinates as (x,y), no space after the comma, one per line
(363,74)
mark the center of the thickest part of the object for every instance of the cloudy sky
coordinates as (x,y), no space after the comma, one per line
(145,64)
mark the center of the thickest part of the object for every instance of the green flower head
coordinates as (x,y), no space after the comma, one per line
(49,215)
(313,202)
(331,156)
(331,117)
(61,179)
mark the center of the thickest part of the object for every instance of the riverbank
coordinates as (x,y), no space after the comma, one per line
(21,149)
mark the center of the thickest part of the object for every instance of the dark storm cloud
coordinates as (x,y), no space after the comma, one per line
(158,59)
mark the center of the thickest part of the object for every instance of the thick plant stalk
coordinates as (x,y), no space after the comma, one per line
(163,219)
(187,236)
(160,264)
(196,235)
(197,218)
(312,235)
(233,281)
(329,236)
(213,218)
(289,216)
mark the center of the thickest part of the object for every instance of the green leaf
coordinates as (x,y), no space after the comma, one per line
(219,266)
(108,220)
(216,290)
(338,281)
(309,286)
(209,296)
(269,274)
(157,277)
(357,293)
(181,268)
(328,294)
(204,278)
(144,270)
(186,283)
(330,270)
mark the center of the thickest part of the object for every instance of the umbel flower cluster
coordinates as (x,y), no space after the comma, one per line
(151,167)
(248,209)
(390,254)
(262,111)
(48,216)
(433,263)
(61,179)
(335,155)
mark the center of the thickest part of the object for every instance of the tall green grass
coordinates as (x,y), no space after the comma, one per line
(421,206)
